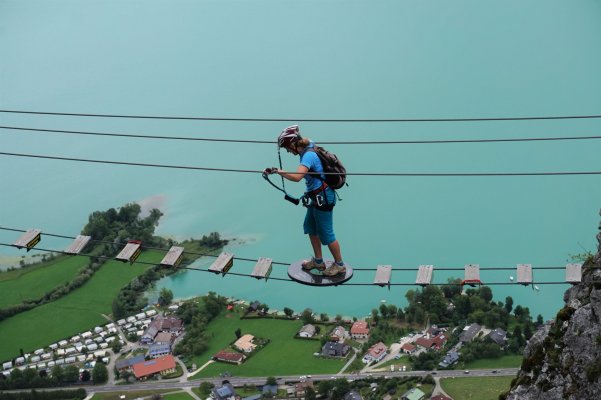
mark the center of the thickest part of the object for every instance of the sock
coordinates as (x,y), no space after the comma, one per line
(318,260)
(340,263)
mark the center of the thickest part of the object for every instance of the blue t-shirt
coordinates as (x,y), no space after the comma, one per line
(311,160)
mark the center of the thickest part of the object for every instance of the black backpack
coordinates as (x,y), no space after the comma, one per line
(331,163)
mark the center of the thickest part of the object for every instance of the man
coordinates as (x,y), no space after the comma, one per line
(320,202)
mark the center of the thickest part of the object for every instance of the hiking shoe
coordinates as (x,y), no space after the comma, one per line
(311,265)
(334,270)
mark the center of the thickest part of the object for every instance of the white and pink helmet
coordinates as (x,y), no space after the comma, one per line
(289,136)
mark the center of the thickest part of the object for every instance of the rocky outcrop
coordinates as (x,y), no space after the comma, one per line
(563,359)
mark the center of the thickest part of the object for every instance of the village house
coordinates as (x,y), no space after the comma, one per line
(335,349)
(413,394)
(163,337)
(307,331)
(245,343)
(338,334)
(230,357)
(301,387)
(469,333)
(436,343)
(408,348)
(449,359)
(352,395)
(375,353)
(157,350)
(225,392)
(162,365)
(499,336)
(359,330)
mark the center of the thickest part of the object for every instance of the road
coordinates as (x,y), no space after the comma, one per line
(282,380)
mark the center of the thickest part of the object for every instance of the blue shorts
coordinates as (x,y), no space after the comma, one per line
(320,223)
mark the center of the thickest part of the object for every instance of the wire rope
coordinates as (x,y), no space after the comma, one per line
(279,262)
(381,174)
(291,280)
(271,142)
(244,119)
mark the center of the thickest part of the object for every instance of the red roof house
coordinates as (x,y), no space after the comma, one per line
(161,365)
(230,356)
(359,330)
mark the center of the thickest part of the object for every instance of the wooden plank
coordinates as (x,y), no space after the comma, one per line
(130,252)
(573,273)
(173,257)
(472,273)
(262,269)
(524,273)
(424,275)
(29,239)
(383,275)
(78,244)
(223,263)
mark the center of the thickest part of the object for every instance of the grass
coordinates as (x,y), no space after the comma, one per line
(400,362)
(480,388)
(274,359)
(131,394)
(509,361)
(178,396)
(31,283)
(76,312)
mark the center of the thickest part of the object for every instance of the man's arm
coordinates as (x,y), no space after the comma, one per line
(294,177)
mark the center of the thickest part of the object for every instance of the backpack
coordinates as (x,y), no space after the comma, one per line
(331,163)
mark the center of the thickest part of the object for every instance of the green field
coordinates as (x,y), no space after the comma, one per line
(178,396)
(480,388)
(510,361)
(283,356)
(31,283)
(73,313)
(132,394)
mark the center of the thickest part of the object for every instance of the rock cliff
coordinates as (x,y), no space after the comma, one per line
(563,359)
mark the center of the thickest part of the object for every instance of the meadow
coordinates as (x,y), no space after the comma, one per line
(480,388)
(274,359)
(508,361)
(76,312)
(31,283)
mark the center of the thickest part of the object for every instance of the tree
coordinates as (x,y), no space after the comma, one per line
(85,376)
(57,374)
(338,318)
(288,312)
(205,388)
(341,387)
(116,346)
(307,316)
(71,374)
(383,311)
(324,387)
(271,381)
(508,304)
(485,293)
(126,375)
(310,393)
(539,320)
(238,333)
(323,317)
(100,374)
(165,297)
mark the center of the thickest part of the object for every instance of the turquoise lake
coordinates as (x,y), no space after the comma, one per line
(313,60)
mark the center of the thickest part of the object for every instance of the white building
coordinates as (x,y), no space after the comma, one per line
(140,316)
(46,356)
(41,366)
(53,346)
(86,335)
(70,360)
(60,352)
(63,343)
(35,359)
(121,322)
(75,338)
(81,358)
(60,361)
(92,346)
(150,313)
(131,319)
(98,329)
(104,345)
(7,365)
(109,326)
(51,364)
(99,353)
(70,350)
(38,352)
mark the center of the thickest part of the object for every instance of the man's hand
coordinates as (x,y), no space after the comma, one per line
(269,171)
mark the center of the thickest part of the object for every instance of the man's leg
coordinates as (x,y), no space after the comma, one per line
(335,250)
(316,244)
